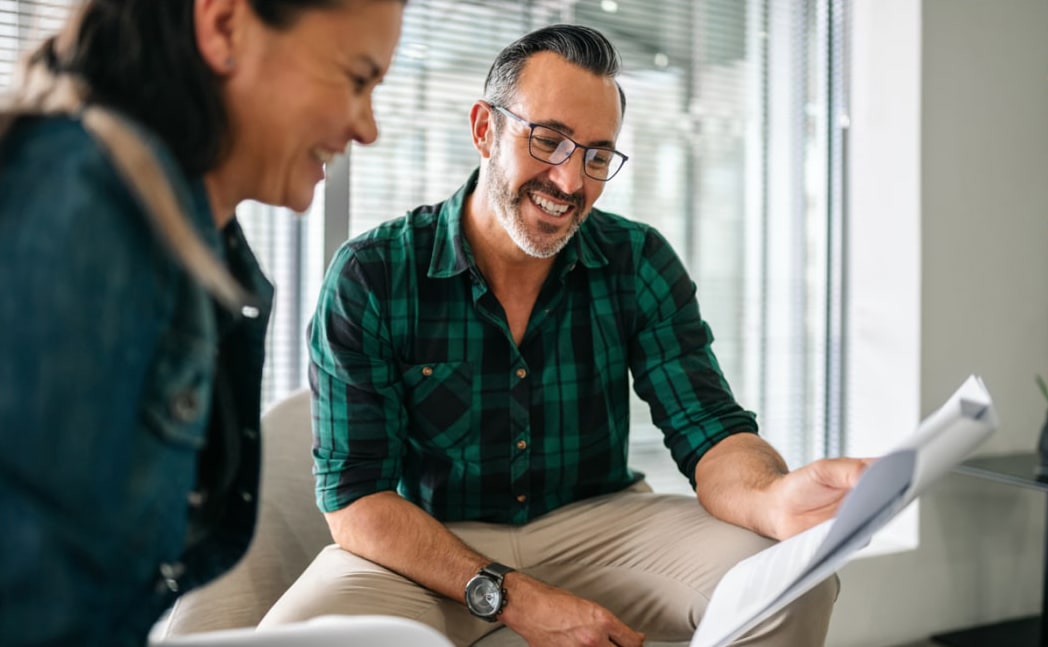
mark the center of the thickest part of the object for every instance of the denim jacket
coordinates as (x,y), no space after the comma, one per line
(129,400)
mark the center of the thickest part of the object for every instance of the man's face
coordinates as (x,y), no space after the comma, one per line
(540,205)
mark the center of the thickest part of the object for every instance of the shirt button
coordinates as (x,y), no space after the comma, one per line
(246,496)
(522,444)
(196,498)
(521,373)
(521,498)
(427,370)
(250,433)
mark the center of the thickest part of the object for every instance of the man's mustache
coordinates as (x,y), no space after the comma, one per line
(576,199)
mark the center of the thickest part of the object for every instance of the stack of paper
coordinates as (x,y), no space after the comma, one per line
(760,586)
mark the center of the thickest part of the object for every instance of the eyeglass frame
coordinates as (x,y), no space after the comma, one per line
(575,145)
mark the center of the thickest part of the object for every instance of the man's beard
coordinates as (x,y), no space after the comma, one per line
(507,206)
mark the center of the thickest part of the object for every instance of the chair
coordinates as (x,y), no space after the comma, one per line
(289,534)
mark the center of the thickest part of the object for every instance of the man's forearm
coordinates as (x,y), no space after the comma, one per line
(388,530)
(732,481)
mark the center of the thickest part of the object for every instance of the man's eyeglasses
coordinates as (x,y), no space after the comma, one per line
(554,147)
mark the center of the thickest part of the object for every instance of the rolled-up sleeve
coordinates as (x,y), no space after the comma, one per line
(671,357)
(358,417)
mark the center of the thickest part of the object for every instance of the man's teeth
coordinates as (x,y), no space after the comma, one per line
(549,207)
(325,156)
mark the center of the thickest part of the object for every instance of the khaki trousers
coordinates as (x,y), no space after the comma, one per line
(651,559)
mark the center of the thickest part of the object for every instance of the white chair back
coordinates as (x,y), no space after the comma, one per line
(289,534)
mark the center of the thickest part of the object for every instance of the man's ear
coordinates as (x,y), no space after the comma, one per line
(218,24)
(481,127)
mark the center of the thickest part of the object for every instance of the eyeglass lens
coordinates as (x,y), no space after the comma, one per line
(550,146)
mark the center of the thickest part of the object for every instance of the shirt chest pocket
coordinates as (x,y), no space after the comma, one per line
(439,400)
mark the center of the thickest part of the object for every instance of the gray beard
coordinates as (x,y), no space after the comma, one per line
(507,207)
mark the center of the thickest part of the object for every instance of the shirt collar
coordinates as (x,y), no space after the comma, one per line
(451,253)
(453,256)
(232,248)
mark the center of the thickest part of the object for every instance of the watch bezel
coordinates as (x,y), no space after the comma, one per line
(492,575)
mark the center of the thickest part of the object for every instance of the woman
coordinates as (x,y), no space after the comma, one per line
(133,314)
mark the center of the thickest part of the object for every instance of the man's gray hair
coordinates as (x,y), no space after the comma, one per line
(582,46)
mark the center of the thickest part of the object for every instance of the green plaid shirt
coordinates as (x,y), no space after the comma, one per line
(419,387)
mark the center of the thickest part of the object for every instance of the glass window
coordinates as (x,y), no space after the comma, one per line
(734,127)
(25,23)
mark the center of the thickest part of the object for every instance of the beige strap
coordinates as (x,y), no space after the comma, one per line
(142,172)
(42,93)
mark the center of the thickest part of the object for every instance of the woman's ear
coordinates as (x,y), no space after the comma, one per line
(218,24)
(481,127)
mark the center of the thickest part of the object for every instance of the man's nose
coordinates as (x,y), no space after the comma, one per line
(570,175)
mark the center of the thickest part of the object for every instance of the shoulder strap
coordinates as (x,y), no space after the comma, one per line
(43,93)
(141,170)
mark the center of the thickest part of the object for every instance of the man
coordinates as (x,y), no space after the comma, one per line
(476,355)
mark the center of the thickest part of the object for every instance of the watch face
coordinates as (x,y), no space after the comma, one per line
(483,596)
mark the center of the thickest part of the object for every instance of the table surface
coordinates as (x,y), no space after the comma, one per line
(1015,469)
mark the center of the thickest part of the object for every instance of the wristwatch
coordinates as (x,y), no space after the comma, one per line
(485,596)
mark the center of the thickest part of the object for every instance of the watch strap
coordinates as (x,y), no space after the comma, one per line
(497,570)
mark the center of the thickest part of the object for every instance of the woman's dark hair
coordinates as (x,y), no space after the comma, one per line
(579,45)
(141,58)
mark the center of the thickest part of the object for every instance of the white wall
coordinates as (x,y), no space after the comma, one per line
(983,197)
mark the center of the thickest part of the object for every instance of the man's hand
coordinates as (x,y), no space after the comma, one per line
(810,495)
(388,530)
(744,481)
(545,615)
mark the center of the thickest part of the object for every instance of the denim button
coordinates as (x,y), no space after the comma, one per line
(170,574)
(185,406)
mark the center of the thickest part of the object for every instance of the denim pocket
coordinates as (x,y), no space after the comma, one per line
(440,401)
(178,396)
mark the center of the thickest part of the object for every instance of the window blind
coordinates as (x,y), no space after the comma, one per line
(24,24)
(735,125)
(732,126)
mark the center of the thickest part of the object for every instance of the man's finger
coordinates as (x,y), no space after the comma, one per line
(623,636)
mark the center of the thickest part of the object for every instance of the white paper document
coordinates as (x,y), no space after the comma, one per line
(760,586)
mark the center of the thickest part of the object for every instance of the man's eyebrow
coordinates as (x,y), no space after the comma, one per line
(564,129)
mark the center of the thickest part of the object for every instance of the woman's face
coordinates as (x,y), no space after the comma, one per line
(297,96)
